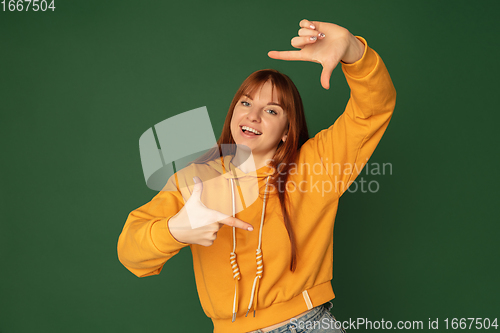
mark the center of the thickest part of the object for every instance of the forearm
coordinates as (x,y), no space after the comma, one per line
(372,90)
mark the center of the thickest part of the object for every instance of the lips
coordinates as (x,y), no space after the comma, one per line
(250,130)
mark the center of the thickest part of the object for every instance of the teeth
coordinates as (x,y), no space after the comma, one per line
(246,128)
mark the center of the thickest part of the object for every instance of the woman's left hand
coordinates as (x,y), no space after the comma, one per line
(324,43)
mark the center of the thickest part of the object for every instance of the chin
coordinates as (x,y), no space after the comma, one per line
(246,145)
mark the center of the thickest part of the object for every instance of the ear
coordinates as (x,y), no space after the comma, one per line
(283,138)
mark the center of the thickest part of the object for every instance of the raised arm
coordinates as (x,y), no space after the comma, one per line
(350,141)
(346,146)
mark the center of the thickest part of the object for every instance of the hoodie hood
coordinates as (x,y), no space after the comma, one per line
(228,170)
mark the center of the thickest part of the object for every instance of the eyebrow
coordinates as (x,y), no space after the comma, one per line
(270,103)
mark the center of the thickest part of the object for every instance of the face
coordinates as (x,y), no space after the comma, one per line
(259,122)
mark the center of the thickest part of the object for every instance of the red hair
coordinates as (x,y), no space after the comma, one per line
(286,152)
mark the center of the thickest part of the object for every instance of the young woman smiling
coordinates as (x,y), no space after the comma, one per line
(289,227)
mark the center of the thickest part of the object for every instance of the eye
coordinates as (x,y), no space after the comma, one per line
(245,103)
(270,111)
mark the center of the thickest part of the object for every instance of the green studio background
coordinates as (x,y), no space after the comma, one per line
(78,86)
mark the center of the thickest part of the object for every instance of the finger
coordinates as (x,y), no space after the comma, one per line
(197,189)
(212,227)
(310,32)
(234,222)
(300,42)
(319,26)
(307,24)
(286,55)
(213,236)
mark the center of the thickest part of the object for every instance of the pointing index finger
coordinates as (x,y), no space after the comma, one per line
(234,222)
(285,55)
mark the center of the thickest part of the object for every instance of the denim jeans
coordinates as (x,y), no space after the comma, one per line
(319,320)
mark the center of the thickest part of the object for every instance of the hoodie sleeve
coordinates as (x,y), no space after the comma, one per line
(145,243)
(347,145)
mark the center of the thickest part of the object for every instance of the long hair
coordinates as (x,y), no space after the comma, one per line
(286,152)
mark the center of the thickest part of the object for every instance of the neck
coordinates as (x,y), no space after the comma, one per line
(246,164)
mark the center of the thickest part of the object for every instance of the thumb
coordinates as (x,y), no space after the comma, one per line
(198,188)
(326,74)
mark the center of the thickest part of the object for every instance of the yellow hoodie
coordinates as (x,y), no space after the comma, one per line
(327,165)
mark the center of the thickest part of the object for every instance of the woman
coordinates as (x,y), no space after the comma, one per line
(300,182)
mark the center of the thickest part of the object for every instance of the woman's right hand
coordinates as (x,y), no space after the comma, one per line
(211,220)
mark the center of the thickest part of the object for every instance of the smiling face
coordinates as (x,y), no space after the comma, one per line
(259,122)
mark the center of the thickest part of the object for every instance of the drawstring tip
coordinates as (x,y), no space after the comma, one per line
(234,317)
(247,312)
(254,313)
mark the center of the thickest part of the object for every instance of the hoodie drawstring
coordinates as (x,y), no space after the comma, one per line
(259,259)
(234,264)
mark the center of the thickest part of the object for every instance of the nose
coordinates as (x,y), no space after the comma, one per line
(253,115)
